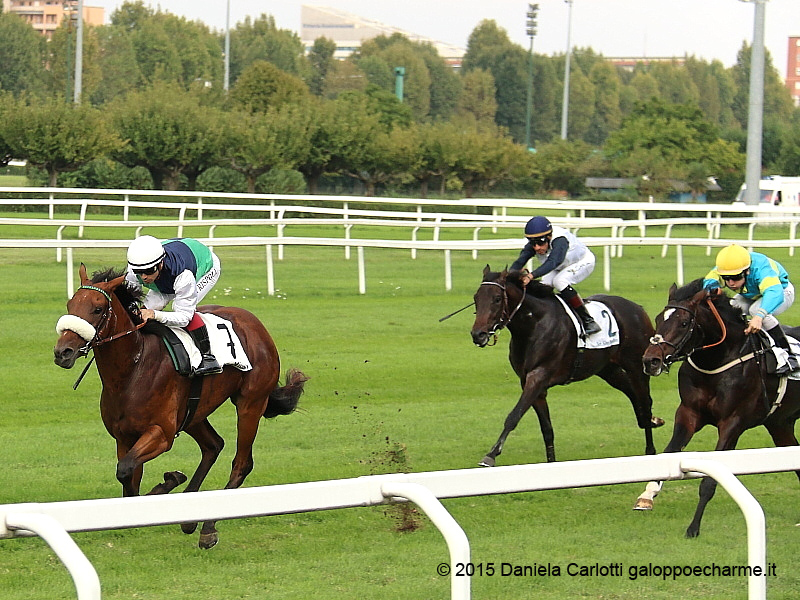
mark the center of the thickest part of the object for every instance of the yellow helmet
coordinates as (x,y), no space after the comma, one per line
(732,260)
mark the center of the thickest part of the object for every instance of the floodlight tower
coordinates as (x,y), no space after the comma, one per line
(755,113)
(565,103)
(530,30)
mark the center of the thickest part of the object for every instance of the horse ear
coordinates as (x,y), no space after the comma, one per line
(115,283)
(504,274)
(672,290)
(486,270)
(82,274)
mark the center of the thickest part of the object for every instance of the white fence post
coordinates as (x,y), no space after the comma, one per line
(87,584)
(457,542)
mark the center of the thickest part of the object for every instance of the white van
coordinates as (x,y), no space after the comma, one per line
(775,190)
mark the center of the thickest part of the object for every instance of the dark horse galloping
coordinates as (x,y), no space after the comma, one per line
(544,351)
(144,401)
(721,381)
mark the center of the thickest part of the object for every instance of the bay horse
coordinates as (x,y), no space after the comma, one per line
(544,352)
(144,401)
(723,381)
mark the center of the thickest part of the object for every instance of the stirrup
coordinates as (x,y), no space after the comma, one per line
(590,326)
(208,366)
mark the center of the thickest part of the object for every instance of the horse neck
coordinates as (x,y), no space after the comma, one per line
(732,344)
(532,309)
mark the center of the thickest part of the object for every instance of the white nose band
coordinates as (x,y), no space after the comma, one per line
(77,325)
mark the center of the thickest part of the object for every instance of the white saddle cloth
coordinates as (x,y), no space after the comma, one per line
(225,344)
(782,356)
(609,331)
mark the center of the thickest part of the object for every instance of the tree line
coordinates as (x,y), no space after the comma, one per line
(154,113)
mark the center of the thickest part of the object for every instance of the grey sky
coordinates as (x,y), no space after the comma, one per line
(708,29)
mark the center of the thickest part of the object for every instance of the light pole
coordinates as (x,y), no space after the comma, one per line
(227,81)
(565,103)
(530,30)
(755,113)
(79,56)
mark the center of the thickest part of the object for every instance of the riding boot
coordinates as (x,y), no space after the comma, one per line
(574,301)
(779,337)
(208,364)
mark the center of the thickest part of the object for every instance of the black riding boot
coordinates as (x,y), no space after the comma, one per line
(209,364)
(779,337)
(575,302)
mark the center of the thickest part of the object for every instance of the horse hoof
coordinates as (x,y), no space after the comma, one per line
(188,528)
(643,504)
(656,422)
(208,540)
(487,461)
(174,478)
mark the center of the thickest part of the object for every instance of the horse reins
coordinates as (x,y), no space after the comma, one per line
(658,339)
(506,317)
(97,340)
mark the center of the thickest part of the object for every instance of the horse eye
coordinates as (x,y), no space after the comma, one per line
(98,310)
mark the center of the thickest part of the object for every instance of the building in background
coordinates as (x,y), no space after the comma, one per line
(793,68)
(350,31)
(46,15)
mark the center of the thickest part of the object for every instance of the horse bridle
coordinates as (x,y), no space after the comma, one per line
(658,339)
(107,315)
(505,317)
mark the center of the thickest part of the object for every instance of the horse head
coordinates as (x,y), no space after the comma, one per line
(89,318)
(692,314)
(490,306)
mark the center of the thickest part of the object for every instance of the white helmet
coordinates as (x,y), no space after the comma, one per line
(145,252)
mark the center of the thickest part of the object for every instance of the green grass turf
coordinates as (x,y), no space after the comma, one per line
(384,372)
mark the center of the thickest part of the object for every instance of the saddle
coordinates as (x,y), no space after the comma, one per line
(175,348)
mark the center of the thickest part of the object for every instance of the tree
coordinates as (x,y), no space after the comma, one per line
(561,165)
(21,56)
(777,100)
(57,136)
(662,140)
(322,63)
(581,104)
(607,114)
(116,60)
(342,131)
(260,40)
(263,85)
(277,139)
(169,133)
(478,96)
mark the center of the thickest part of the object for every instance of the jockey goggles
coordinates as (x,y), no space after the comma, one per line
(733,277)
(539,241)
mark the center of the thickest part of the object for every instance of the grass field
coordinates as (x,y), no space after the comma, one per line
(384,373)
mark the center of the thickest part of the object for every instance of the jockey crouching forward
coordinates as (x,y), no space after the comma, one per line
(563,261)
(181,271)
(763,290)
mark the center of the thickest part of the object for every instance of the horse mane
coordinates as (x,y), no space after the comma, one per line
(535,288)
(127,293)
(721,301)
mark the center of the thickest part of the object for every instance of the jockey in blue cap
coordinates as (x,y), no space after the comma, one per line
(563,261)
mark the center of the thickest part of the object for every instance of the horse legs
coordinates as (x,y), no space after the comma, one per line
(248,419)
(637,388)
(210,444)
(687,423)
(783,436)
(129,461)
(729,433)
(523,404)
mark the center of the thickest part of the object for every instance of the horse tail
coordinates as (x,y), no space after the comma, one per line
(283,400)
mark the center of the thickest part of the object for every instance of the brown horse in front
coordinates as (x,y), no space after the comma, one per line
(144,401)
